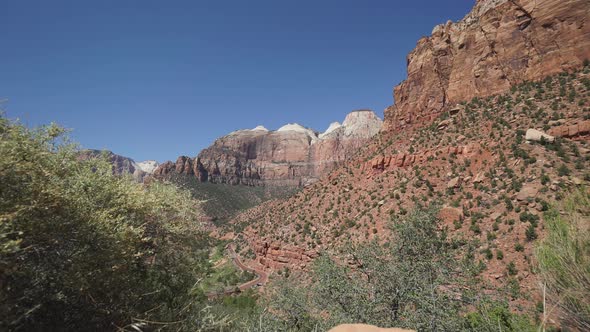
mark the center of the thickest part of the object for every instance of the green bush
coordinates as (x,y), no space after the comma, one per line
(563,170)
(511,269)
(492,316)
(530,233)
(564,260)
(83,249)
(410,282)
(396,285)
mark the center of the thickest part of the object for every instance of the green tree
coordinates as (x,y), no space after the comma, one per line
(83,249)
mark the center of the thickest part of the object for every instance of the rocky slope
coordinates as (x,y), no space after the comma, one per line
(292,155)
(493,178)
(481,159)
(498,44)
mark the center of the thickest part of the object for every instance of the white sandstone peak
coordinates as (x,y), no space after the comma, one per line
(148,166)
(333,126)
(363,116)
(364,123)
(259,128)
(293,127)
(298,128)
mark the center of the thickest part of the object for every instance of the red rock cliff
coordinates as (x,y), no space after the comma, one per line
(292,155)
(499,43)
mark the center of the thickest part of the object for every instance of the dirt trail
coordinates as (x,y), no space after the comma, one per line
(261,276)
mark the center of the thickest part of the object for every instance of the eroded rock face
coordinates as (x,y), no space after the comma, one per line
(499,43)
(573,130)
(277,256)
(383,163)
(292,155)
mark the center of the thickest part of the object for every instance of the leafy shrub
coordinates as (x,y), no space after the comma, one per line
(531,233)
(511,269)
(393,287)
(563,170)
(83,249)
(399,284)
(492,316)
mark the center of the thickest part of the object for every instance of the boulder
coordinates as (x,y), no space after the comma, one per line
(479,177)
(454,182)
(534,135)
(444,124)
(451,214)
(527,192)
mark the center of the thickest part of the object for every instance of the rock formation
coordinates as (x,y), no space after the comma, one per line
(277,256)
(474,157)
(148,166)
(381,163)
(573,130)
(538,136)
(292,155)
(121,164)
(498,44)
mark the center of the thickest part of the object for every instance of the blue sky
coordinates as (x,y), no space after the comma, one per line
(157,79)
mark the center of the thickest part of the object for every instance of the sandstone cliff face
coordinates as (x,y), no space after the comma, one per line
(292,155)
(499,43)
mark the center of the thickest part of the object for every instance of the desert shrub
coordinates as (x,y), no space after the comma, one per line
(563,170)
(493,316)
(531,233)
(394,286)
(412,282)
(564,260)
(83,249)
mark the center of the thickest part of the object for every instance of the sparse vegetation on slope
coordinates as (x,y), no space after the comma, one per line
(221,202)
(414,281)
(493,183)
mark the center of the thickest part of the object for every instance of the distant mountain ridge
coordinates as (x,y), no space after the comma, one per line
(292,155)
(122,164)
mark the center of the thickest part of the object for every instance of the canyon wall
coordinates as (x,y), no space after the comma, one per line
(499,43)
(290,156)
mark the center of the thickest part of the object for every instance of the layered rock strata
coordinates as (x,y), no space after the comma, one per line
(498,44)
(292,155)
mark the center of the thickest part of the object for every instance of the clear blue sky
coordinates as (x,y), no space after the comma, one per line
(157,79)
